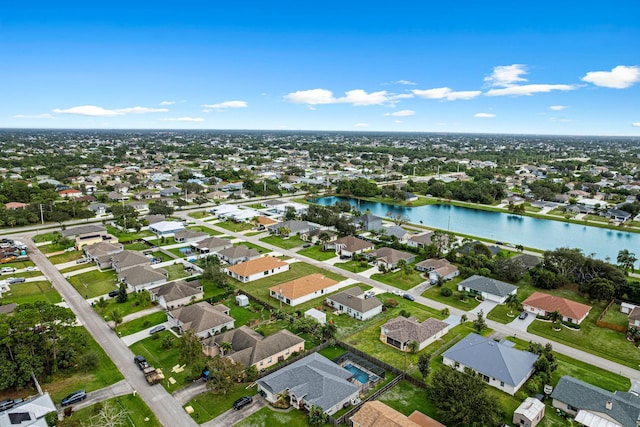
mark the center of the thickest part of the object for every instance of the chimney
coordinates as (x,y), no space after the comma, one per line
(608,405)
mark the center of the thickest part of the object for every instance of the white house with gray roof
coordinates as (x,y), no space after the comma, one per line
(354,302)
(497,363)
(487,288)
(312,381)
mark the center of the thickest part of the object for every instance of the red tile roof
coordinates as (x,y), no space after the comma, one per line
(551,303)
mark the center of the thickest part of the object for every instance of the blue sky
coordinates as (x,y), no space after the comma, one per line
(561,67)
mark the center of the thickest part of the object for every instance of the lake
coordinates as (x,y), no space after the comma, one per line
(503,227)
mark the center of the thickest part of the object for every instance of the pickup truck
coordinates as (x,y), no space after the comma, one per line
(141,362)
(153,375)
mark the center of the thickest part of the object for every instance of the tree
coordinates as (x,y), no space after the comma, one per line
(144,298)
(413,346)
(225,347)
(190,348)
(626,260)
(464,318)
(223,373)
(423,365)
(123,296)
(461,399)
(109,416)
(116,317)
(479,324)
(445,311)
(556,318)
(317,417)
(329,330)
(102,303)
(401,264)
(290,213)
(512,302)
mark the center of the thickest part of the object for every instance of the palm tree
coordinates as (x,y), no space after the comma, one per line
(626,259)
(463,318)
(445,312)
(329,330)
(512,302)
(116,317)
(556,318)
(225,346)
(413,346)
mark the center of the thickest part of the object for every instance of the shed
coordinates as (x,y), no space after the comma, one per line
(242,300)
(626,307)
(316,314)
(529,413)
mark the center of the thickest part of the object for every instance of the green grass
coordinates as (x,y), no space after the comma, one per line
(151,348)
(244,315)
(615,316)
(405,398)
(46,237)
(136,246)
(260,249)
(332,352)
(288,243)
(19,264)
(29,292)
(176,271)
(66,257)
(138,413)
(235,227)
(253,233)
(76,267)
(354,266)
(104,374)
(94,283)
(199,214)
(399,279)
(141,323)
(500,313)
(53,247)
(130,306)
(434,293)
(127,237)
(207,406)
(23,274)
(267,417)
(203,229)
(317,253)
(176,252)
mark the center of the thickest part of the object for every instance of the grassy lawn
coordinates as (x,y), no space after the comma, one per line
(136,246)
(177,253)
(29,292)
(127,237)
(104,374)
(211,289)
(138,413)
(405,398)
(332,352)
(151,348)
(203,229)
(176,271)
(52,247)
(23,274)
(207,406)
(94,283)
(199,214)
(260,249)
(141,323)
(267,417)
(66,257)
(317,253)
(235,227)
(501,314)
(244,315)
(130,306)
(260,288)
(288,243)
(253,233)
(354,266)
(434,293)
(399,279)
(76,267)
(18,264)
(46,237)
(602,342)
(615,316)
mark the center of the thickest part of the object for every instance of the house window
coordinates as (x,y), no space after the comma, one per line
(270,359)
(501,383)
(266,272)
(261,363)
(286,352)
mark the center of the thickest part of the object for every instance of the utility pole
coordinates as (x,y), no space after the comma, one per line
(41,215)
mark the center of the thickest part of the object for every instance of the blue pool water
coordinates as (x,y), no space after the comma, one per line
(358,373)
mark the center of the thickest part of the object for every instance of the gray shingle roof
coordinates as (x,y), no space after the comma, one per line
(352,298)
(240,251)
(625,408)
(201,316)
(488,285)
(492,359)
(409,329)
(83,229)
(141,275)
(128,258)
(315,378)
(177,290)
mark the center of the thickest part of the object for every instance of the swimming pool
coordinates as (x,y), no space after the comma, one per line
(358,373)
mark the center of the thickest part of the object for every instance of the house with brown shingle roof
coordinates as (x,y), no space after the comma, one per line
(238,254)
(544,304)
(389,257)
(187,236)
(438,269)
(202,318)
(255,269)
(143,277)
(399,332)
(211,245)
(303,289)
(377,414)
(250,348)
(102,252)
(127,259)
(349,246)
(177,294)
(355,303)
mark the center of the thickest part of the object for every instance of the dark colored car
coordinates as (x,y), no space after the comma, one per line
(13,280)
(155,329)
(6,404)
(409,297)
(242,402)
(113,294)
(306,245)
(523,315)
(74,397)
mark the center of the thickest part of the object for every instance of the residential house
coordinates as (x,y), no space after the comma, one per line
(634,318)
(497,363)
(73,232)
(420,240)
(355,303)
(127,259)
(166,228)
(389,257)
(114,196)
(210,245)
(311,381)
(204,319)
(170,192)
(544,304)
(255,269)
(529,261)
(592,406)
(368,222)
(15,205)
(143,277)
(438,269)
(237,254)
(30,412)
(313,236)
(529,413)
(250,348)
(349,246)
(303,289)
(377,414)
(487,288)
(139,206)
(400,331)
(295,227)
(398,232)
(102,252)
(85,239)
(176,294)
(476,245)
(188,236)
(98,208)
(298,208)
(618,215)
(70,193)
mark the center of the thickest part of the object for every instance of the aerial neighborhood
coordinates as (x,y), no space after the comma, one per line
(256,278)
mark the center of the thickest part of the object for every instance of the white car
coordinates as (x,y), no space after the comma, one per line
(397,292)
(8,270)
(32,268)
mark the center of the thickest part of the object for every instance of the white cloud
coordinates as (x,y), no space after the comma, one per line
(359,97)
(619,77)
(560,120)
(355,97)
(167,102)
(401,113)
(34,116)
(557,107)
(446,93)
(404,82)
(506,75)
(361,125)
(226,105)
(311,96)
(528,90)
(95,111)
(484,115)
(183,119)
(398,121)
(636,124)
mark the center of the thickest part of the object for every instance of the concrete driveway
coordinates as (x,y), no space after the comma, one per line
(139,336)
(232,416)
(486,306)
(522,324)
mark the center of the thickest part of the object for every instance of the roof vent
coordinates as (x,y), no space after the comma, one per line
(608,405)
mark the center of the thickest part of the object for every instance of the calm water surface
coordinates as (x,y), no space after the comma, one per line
(533,232)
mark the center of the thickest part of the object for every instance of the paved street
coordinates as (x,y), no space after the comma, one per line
(118,389)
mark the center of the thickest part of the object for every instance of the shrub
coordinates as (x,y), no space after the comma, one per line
(446,292)
(390,303)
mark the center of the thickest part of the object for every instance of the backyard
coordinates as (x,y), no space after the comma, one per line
(399,279)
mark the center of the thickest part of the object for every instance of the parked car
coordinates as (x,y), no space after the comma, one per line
(397,292)
(82,261)
(158,328)
(409,297)
(74,397)
(523,315)
(12,280)
(306,245)
(8,259)
(71,249)
(6,404)
(31,268)
(113,294)
(8,269)
(242,402)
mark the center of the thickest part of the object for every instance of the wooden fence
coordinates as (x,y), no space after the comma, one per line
(608,325)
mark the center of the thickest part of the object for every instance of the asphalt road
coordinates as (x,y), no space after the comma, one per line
(167,409)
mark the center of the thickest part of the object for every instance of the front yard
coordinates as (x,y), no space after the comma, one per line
(138,413)
(29,292)
(316,252)
(94,283)
(207,406)
(66,257)
(434,293)
(142,323)
(399,279)
(288,243)
(235,227)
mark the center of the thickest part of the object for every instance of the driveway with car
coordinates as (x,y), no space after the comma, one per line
(522,324)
